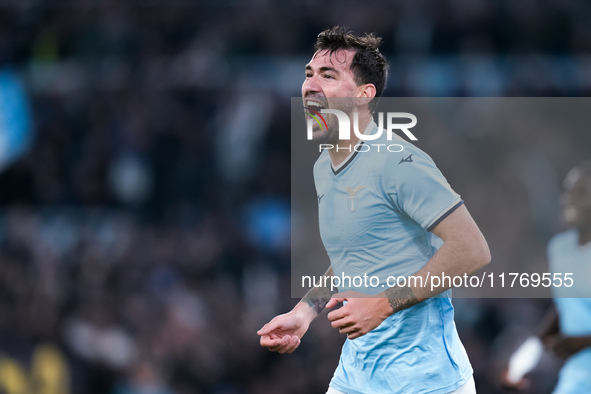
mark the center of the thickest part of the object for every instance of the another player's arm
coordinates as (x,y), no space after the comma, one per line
(548,326)
(464,251)
(284,332)
(548,331)
(564,346)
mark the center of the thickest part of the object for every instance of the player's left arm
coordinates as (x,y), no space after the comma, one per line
(464,251)
(566,346)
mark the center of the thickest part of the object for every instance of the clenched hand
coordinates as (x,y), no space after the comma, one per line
(360,315)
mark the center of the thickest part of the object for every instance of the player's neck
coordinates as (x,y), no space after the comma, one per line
(344,148)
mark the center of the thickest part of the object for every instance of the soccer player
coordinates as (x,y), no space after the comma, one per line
(568,332)
(381,213)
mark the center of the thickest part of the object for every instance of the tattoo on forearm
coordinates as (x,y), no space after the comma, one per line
(318,297)
(401,298)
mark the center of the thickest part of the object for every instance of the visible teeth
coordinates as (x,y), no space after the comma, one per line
(314,103)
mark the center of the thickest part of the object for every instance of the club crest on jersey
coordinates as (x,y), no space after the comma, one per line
(353,197)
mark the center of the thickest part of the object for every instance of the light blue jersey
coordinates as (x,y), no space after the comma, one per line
(565,255)
(375,212)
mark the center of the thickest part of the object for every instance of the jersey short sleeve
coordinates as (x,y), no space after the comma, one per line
(418,189)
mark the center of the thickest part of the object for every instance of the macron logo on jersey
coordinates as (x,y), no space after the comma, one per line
(407,160)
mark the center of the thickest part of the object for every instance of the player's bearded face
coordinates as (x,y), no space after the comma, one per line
(329,84)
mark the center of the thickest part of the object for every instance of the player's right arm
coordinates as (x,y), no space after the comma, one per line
(284,332)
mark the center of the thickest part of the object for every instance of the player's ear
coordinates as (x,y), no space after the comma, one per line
(365,93)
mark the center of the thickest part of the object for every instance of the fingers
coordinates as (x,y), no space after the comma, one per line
(338,314)
(266,329)
(281,344)
(348,328)
(263,331)
(267,341)
(356,334)
(286,344)
(352,332)
(341,323)
(333,301)
(291,346)
(341,320)
(340,297)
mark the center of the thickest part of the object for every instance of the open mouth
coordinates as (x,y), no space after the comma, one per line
(313,108)
(312,111)
(315,105)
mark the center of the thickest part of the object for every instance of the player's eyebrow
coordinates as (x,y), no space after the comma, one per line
(323,69)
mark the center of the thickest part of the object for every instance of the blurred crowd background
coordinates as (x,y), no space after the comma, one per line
(145,233)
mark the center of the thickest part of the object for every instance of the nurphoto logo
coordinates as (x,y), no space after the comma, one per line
(345,128)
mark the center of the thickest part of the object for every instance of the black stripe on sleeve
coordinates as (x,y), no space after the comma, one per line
(449,211)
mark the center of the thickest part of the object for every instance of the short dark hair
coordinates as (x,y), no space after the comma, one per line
(368,65)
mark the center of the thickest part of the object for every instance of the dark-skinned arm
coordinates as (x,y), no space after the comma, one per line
(564,346)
